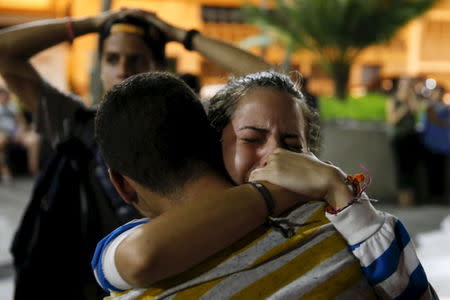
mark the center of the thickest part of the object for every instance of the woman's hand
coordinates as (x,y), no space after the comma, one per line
(306,175)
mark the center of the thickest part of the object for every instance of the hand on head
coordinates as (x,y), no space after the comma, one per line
(105,16)
(171,32)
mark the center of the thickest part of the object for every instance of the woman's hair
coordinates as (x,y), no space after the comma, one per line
(154,38)
(223,105)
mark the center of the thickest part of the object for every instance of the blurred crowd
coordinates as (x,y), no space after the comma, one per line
(19,142)
(419,131)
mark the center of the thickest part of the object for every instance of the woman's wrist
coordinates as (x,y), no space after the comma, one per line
(340,194)
(283,198)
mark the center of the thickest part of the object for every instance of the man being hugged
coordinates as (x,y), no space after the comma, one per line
(164,158)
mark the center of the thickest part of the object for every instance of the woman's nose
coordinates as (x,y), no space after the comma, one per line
(266,150)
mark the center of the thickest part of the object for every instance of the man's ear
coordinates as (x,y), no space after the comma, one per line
(123,187)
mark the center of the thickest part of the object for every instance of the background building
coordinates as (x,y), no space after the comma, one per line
(420,49)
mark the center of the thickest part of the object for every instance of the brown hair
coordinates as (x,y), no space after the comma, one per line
(223,105)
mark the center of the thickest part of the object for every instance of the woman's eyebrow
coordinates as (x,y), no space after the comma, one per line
(258,129)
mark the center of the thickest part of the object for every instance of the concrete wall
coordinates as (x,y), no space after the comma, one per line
(349,144)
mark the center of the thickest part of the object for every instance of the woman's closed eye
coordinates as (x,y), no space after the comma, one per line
(251,140)
(292,144)
(293,147)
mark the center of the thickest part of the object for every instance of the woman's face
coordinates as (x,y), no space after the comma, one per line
(124,55)
(264,119)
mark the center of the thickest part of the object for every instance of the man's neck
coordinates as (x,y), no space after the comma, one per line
(152,205)
(202,186)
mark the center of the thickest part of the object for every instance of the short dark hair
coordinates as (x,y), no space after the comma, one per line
(222,105)
(154,38)
(192,81)
(152,128)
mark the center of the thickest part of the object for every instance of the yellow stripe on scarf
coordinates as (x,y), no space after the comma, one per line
(239,247)
(314,222)
(335,285)
(294,269)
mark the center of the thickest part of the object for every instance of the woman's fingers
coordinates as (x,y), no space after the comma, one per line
(260,174)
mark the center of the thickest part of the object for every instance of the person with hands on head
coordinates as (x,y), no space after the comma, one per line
(131,41)
(128,44)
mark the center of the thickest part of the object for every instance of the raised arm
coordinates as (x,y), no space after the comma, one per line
(231,58)
(19,43)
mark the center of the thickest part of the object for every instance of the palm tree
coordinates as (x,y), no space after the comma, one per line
(336,30)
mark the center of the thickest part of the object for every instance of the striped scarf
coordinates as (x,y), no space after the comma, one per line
(314,264)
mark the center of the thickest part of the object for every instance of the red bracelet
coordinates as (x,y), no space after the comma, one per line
(69,30)
(329,209)
(355,182)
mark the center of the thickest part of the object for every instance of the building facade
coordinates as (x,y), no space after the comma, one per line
(419,49)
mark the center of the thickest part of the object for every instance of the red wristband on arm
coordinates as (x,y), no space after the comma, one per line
(69,30)
(355,182)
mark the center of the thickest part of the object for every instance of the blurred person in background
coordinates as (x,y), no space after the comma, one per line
(436,142)
(401,113)
(131,42)
(8,127)
(16,134)
(28,138)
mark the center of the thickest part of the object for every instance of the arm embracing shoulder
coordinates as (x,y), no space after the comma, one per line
(104,261)
(182,237)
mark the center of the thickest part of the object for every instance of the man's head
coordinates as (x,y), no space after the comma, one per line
(192,81)
(152,129)
(129,45)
